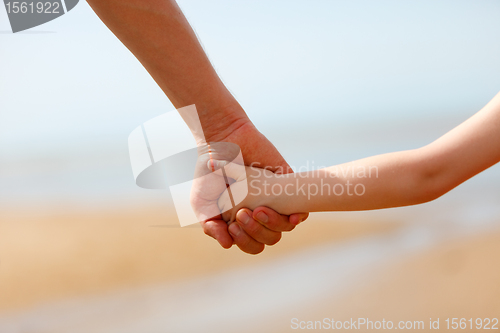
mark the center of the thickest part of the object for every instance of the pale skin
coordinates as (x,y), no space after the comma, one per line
(160,37)
(397,179)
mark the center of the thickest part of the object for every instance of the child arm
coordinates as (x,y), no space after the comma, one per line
(389,180)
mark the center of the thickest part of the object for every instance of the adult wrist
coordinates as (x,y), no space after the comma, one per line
(220,122)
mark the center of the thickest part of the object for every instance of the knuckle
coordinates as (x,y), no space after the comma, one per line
(194,200)
(256,249)
(275,239)
(208,228)
(248,245)
(252,227)
(244,242)
(279,225)
(207,231)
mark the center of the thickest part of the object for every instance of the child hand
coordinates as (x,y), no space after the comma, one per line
(244,188)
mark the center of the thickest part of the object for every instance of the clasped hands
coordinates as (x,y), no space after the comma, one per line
(256,225)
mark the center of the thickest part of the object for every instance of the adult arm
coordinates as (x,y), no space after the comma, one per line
(160,37)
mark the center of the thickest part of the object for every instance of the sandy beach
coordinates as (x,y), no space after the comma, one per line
(457,279)
(50,255)
(61,270)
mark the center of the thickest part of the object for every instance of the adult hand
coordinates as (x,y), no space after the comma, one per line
(252,230)
(160,37)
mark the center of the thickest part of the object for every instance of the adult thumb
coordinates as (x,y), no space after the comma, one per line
(232,170)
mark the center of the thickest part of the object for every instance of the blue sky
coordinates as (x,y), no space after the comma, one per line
(290,63)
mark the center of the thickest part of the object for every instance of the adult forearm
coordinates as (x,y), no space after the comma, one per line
(159,35)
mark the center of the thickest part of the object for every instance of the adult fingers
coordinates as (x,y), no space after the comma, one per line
(218,230)
(256,230)
(272,220)
(298,218)
(244,241)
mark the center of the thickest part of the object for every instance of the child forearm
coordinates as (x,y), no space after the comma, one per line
(383,181)
(390,180)
(401,178)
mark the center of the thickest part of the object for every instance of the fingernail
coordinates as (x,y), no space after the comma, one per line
(234,229)
(262,217)
(243,217)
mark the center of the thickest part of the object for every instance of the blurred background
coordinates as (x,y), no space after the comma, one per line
(83,249)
